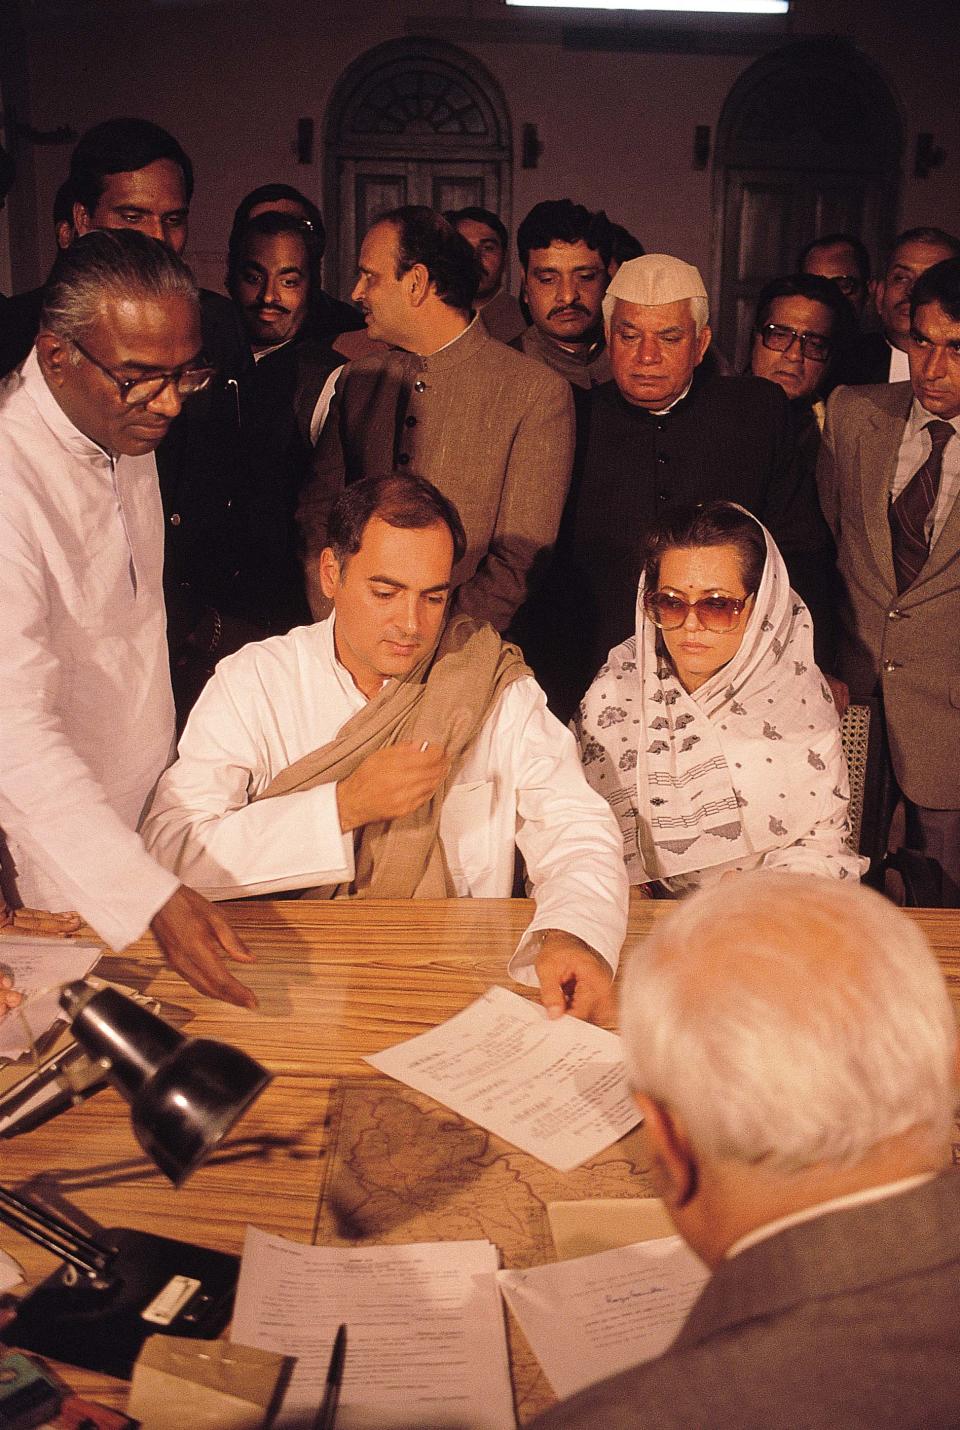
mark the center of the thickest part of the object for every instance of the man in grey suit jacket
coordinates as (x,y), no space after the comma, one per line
(794,1053)
(899,619)
(493,430)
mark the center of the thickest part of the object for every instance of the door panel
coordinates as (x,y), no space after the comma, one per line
(368,187)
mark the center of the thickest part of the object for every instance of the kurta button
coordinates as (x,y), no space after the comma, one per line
(419,385)
(403,458)
(175,519)
(409,422)
(889,665)
(896,614)
(661,496)
(662,459)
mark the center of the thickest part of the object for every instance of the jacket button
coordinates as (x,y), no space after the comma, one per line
(896,614)
(175,519)
(889,665)
(410,422)
(403,458)
(419,385)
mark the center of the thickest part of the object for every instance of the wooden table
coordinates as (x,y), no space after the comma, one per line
(334,1152)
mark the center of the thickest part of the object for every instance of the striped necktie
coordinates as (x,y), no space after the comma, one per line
(909,513)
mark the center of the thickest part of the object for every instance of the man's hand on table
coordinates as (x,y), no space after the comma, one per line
(29,923)
(573,978)
(390,783)
(194,937)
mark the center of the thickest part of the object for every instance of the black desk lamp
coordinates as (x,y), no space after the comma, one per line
(185,1095)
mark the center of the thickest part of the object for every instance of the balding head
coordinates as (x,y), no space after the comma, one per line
(792,1039)
(792,1020)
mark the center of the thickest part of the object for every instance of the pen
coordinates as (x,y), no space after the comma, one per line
(331,1396)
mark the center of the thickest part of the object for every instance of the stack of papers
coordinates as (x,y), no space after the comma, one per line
(426,1345)
(555,1088)
(38,967)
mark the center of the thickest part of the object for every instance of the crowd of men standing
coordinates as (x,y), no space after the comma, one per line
(349,494)
(559,424)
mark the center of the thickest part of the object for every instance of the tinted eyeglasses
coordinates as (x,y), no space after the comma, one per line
(715,613)
(135,391)
(780,339)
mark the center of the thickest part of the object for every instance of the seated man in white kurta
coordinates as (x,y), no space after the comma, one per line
(384,753)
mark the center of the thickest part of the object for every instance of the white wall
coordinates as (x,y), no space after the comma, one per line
(231,80)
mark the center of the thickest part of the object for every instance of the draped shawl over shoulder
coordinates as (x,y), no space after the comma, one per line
(749,763)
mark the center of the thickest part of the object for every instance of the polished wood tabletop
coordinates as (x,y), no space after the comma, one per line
(336,981)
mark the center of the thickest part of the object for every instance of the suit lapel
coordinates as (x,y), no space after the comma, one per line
(879,444)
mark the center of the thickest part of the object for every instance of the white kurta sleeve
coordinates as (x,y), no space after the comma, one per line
(202,824)
(565,832)
(51,804)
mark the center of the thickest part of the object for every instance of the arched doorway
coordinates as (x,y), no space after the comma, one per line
(810,141)
(411,122)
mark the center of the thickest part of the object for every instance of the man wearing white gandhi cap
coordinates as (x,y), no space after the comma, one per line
(668,429)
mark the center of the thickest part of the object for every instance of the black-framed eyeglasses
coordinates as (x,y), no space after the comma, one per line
(715,613)
(135,391)
(780,339)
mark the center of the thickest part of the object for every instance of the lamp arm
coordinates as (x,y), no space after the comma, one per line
(46,1229)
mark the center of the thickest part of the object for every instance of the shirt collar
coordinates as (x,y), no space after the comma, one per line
(458,350)
(52,414)
(919,417)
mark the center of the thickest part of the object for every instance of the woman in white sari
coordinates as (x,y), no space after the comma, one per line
(712,733)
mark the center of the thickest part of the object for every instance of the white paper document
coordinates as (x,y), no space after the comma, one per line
(38,963)
(553,1087)
(426,1343)
(598,1315)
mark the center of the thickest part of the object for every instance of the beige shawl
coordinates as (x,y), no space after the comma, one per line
(444,700)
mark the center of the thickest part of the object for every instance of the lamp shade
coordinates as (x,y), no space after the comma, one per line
(185,1094)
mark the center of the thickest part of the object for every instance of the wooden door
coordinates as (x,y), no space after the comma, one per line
(369,187)
(411,122)
(809,142)
(768,217)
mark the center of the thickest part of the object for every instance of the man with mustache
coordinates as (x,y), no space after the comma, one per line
(388,752)
(912,253)
(564,252)
(491,428)
(273,278)
(888,475)
(86,711)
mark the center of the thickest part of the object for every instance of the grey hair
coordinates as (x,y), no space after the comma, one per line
(699,307)
(790,1021)
(109,263)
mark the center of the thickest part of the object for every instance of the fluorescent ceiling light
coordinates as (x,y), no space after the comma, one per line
(714,7)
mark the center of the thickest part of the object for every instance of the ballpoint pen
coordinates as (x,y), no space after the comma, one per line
(331,1396)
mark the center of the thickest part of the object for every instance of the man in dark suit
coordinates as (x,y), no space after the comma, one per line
(794,1053)
(663,431)
(888,475)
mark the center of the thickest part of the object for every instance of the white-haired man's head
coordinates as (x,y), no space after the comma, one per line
(655,313)
(791,1027)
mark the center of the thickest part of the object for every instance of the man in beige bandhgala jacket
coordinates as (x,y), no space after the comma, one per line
(492,429)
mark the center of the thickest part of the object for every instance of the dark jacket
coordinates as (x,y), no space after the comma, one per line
(729,438)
